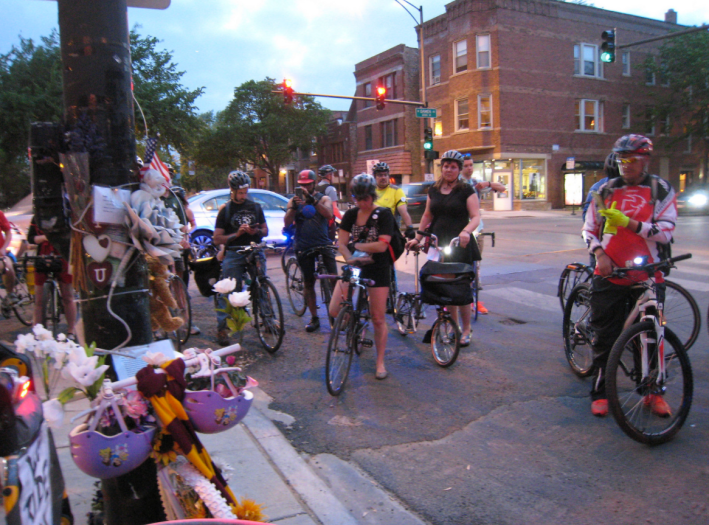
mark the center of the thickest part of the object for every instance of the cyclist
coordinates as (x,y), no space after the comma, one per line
(642,211)
(65,280)
(325,187)
(482,187)
(392,197)
(7,268)
(238,224)
(610,167)
(311,216)
(364,241)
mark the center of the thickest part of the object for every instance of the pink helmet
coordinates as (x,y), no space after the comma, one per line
(211,413)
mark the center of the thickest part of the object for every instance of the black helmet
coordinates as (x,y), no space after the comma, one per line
(380,166)
(180,192)
(611,166)
(453,155)
(238,179)
(324,170)
(363,185)
(638,144)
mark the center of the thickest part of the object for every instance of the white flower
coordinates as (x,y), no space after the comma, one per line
(86,373)
(25,343)
(225,285)
(53,413)
(239,299)
(154,358)
(41,333)
(45,349)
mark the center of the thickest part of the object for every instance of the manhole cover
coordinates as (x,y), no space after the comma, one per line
(512,321)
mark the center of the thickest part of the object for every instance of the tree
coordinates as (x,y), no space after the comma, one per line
(257,129)
(30,91)
(684,62)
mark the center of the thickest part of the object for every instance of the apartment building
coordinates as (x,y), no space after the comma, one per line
(519,85)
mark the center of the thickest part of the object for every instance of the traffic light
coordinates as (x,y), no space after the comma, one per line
(427,139)
(381,96)
(287,91)
(608,46)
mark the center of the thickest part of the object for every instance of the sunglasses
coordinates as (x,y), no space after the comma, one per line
(628,160)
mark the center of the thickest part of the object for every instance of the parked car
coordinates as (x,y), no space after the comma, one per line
(694,199)
(205,206)
(416,197)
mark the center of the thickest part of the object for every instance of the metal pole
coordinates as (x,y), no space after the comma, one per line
(663,37)
(427,122)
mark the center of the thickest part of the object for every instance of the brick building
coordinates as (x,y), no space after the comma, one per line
(519,85)
(337,147)
(392,135)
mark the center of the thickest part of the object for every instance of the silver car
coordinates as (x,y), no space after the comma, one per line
(205,206)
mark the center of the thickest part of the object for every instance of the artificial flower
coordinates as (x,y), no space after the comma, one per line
(135,404)
(41,333)
(53,412)
(154,358)
(239,299)
(225,285)
(25,343)
(86,373)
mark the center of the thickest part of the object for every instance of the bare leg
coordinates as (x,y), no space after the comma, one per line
(339,294)
(377,309)
(38,298)
(464,320)
(69,306)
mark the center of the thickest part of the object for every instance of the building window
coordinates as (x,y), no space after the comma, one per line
(533,179)
(388,130)
(483,51)
(589,115)
(665,125)
(438,124)
(435,68)
(484,111)
(625,58)
(389,82)
(460,52)
(649,76)
(625,122)
(586,60)
(649,120)
(461,109)
(368,137)
(367,93)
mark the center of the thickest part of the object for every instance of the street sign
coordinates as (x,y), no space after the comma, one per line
(570,163)
(425,112)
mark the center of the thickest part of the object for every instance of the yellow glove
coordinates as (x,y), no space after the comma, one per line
(614,218)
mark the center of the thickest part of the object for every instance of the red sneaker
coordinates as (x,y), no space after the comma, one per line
(658,405)
(599,408)
(481,308)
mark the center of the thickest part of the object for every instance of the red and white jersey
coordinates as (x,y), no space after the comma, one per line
(657,220)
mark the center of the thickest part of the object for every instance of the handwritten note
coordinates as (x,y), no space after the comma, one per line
(108,204)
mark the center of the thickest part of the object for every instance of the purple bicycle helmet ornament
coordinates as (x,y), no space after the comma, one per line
(106,457)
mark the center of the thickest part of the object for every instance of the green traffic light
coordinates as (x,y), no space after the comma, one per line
(428,145)
(607,57)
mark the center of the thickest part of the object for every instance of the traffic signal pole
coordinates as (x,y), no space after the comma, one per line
(371,99)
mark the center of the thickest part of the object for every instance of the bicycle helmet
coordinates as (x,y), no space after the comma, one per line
(380,166)
(638,144)
(611,166)
(324,170)
(453,155)
(363,185)
(211,413)
(139,161)
(306,177)
(238,179)
(180,192)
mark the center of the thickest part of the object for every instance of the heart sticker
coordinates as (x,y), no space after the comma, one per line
(97,247)
(100,273)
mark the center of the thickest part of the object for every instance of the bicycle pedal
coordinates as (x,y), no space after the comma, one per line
(367,343)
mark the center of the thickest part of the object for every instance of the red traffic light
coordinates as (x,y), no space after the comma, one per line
(381,97)
(287,90)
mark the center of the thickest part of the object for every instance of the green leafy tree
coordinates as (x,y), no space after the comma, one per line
(684,62)
(257,129)
(30,91)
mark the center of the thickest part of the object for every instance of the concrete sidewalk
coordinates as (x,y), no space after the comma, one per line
(293,489)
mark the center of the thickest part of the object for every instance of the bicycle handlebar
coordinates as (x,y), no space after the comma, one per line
(651,267)
(366,282)
(257,246)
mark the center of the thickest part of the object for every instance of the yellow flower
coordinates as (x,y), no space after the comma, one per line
(249,510)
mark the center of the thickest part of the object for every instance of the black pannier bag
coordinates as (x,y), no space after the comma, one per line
(447,284)
(206,274)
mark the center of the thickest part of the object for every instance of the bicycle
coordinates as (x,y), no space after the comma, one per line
(348,332)
(445,334)
(23,308)
(641,369)
(52,300)
(178,289)
(267,308)
(295,286)
(476,279)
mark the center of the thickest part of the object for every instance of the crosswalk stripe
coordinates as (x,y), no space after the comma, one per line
(526,297)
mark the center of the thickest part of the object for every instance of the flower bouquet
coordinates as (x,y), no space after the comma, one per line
(236,304)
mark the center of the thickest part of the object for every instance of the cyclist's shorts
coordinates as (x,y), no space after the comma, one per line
(63,277)
(306,261)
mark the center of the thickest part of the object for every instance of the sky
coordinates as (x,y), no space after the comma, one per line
(220,44)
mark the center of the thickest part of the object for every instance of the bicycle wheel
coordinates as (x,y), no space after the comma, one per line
(340,351)
(294,287)
(326,294)
(269,316)
(183,310)
(286,256)
(391,298)
(445,341)
(406,321)
(682,314)
(50,311)
(573,275)
(476,289)
(576,330)
(629,388)
(24,308)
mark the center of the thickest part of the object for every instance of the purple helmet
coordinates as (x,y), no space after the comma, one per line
(211,413)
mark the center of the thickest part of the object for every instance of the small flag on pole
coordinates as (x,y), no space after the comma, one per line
(153,162)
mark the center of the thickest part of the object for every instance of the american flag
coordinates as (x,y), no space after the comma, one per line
(152,161)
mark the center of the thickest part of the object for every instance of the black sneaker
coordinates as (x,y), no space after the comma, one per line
(313,325)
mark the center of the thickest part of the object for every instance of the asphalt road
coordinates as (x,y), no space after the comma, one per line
(504,436)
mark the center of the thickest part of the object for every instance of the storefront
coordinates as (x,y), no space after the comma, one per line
(578,177)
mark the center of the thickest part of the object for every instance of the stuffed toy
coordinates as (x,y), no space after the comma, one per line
(161,299)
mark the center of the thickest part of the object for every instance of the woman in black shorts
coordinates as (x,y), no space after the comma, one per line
(453,210)
(368,229)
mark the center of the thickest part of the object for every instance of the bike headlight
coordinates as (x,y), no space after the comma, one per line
(447,250)
(698,199)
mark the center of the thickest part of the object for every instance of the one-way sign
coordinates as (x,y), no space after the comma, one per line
(426,112)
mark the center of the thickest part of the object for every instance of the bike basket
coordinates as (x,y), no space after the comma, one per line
(206,274)
(447,284)
(210,413)
(48,265)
